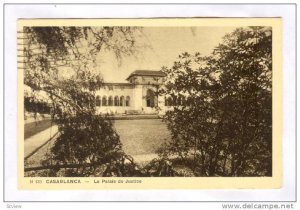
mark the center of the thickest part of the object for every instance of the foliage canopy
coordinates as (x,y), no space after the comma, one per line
(224,126)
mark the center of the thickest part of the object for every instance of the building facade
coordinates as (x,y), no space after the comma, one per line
(138,96)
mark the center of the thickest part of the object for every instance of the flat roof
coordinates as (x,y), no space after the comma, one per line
(117,83)
(146,73)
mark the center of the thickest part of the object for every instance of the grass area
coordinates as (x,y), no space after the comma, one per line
(37,158)
(33,128)
(140,138)
(143,136)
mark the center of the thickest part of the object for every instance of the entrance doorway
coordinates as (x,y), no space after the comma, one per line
(151,98)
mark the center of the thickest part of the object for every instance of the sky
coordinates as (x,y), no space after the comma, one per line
(165,44)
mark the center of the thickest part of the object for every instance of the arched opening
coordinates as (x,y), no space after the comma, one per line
(122,101)
(110,101)
(127,101)
(98,101)
(151,99)
(104,101)
(116,100)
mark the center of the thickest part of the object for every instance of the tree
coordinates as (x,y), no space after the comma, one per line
(225,125)
(84,137)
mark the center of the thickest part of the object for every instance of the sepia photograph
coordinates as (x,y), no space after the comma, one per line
(189,105)
(146,101)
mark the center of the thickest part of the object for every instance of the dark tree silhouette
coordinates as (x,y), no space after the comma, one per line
(84,137)
(224,127)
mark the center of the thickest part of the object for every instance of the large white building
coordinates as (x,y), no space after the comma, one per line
(138,96)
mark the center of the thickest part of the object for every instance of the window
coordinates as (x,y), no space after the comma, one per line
(127,101)
(116,100)
(104,101)
(98,101)
(110,101)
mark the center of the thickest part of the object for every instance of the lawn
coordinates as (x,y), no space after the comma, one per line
(142,136)
(33,128)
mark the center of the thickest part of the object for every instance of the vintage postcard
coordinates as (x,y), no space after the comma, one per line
(174,103)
